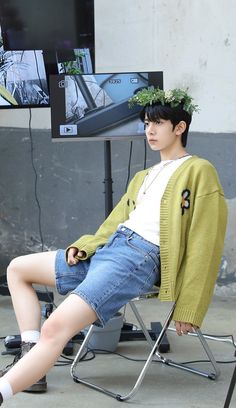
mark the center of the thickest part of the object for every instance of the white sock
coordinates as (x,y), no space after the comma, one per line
(30,336)
(5,389)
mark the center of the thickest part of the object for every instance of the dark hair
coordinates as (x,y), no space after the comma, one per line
(157,111)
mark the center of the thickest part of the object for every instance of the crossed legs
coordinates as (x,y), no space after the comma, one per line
(72,315)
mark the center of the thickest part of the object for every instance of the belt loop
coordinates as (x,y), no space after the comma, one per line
(130,233)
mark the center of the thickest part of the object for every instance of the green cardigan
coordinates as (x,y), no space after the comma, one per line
(193,218)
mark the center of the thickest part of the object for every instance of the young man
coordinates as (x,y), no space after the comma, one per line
(173,215)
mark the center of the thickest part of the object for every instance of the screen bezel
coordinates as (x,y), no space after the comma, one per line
(58,109)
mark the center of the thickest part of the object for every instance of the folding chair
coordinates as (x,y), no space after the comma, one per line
(154,354)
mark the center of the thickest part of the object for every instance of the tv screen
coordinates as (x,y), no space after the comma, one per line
(23,81)
(89,107)
(24,74)
(47,24)
(76,61)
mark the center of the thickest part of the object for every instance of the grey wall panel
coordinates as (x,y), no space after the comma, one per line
(70,189)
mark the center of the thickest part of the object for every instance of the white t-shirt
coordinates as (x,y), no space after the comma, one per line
(145,218)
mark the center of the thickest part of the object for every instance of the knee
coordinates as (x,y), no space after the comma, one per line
(52,331)
(14,268)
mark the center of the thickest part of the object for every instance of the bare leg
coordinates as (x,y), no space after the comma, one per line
(22,272)
(69,318)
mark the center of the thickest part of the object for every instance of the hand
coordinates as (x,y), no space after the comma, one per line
(72,255)
(184,328)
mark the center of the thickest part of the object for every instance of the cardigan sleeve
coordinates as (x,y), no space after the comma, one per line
(202,258)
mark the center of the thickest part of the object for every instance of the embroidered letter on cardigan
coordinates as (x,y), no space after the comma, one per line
(185,201)
(131,203)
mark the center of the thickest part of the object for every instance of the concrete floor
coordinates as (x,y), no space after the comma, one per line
(162,387)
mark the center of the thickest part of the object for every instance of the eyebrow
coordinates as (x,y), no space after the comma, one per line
(155,121)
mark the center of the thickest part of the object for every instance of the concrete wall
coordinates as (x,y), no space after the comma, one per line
(193,42)
(70,199)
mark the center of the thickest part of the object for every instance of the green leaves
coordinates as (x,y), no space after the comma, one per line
(173,98)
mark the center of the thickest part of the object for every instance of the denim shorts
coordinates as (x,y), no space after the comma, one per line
(126,267)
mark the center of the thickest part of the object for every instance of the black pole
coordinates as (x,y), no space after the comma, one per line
(231,389)
(108,178)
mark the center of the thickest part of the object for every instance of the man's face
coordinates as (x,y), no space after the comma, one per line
(160,135)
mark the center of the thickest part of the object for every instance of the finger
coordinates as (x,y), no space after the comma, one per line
(178,328)
(185,328)
(189,328)
(72,251)
(76,257)
(72,260)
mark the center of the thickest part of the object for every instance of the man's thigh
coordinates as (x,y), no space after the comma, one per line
(36,268)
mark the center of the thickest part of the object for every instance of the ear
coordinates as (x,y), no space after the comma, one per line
(180,128)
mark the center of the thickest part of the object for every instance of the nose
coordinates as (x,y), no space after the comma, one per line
(150,129)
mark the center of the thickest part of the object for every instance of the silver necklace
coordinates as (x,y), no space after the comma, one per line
(145,186)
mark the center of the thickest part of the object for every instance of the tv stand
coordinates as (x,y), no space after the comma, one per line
(108,178)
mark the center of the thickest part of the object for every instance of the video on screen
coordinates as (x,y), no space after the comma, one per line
(77,61)
(96,106)
(24,74)
(23,81)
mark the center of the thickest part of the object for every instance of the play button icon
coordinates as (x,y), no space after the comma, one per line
(68,130)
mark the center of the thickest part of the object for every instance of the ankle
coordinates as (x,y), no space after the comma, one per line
(30,336)
(5,390)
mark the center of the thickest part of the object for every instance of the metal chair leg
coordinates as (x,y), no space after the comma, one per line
(202,338)
(154,354)
(136,386)
(211,375)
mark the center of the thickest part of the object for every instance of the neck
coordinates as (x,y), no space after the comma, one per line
(173,155)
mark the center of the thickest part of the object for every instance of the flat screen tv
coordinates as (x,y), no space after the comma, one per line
(23,80)
(95,107)
(76,61)
(47,24)
(24,75)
